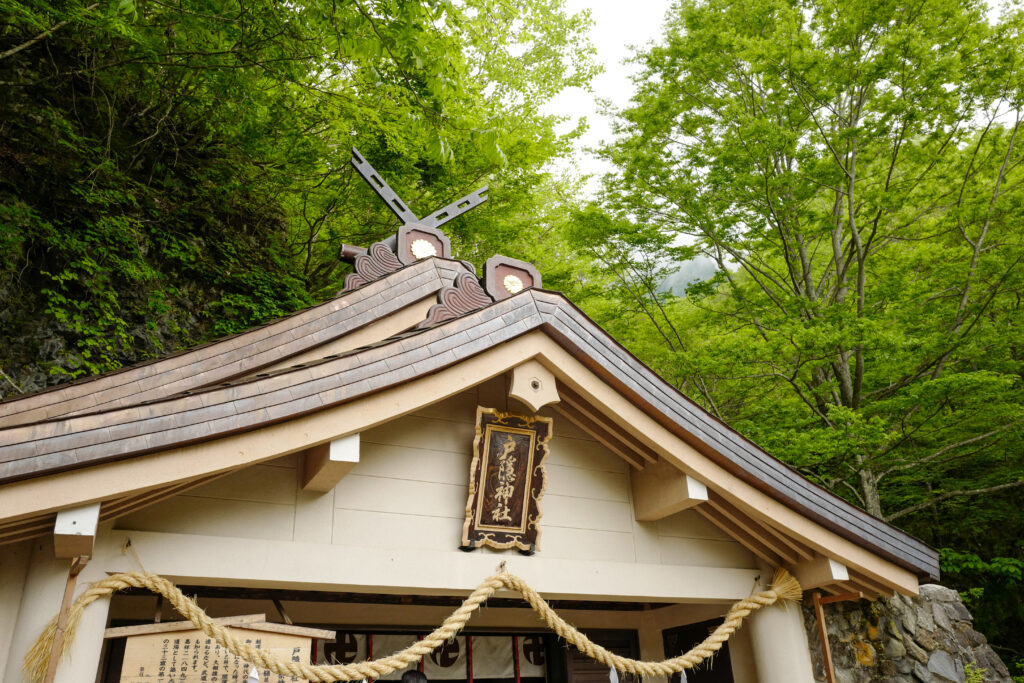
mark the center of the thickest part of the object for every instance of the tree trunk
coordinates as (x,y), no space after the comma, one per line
(869,488)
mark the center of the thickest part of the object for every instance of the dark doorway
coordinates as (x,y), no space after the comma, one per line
(678,640)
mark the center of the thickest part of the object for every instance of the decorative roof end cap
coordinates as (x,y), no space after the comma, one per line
(505,276)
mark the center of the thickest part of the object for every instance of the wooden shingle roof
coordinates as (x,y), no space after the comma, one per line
(236,355)
(145,410)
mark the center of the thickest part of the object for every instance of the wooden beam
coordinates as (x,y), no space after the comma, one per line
(122,506)
(533,385)
(782,534)
(870,586)
(841,597)
(850,587)
(271,627)
(326,464)
(819,572)
(172,626)
(590,412)
(826,649)
(39,526)
(77,565)
(280,610)
(800,549)
(74,531)
(660,490)
(742,537)
(25,535)
(42,525)
(754,529)
(609,441)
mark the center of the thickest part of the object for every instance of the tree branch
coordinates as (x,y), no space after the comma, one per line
(953,494)
(42,36)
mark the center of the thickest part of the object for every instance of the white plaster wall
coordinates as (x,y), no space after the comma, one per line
(409,492)
(14,563)
(395,521)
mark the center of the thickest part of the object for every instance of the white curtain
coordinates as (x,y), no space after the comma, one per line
(492,655)
(388,644)
(447,662)
(344,649)
(532,657)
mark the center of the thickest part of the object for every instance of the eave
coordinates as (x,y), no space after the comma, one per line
(224,426)
(339,324)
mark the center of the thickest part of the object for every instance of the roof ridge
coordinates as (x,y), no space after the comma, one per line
(418,280)
(248,406)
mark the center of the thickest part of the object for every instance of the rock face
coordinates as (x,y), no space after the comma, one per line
(926,639)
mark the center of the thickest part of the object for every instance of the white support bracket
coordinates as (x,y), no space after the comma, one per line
(534,385)
(660,490)
(818,572)
(326,464)
(74,532)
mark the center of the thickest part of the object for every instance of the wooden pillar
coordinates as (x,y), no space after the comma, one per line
(40,600)
(41,596)
(779,641)
(826,649)
(652,645)
(77,565)
(742,656)
(14,564)
(85,651)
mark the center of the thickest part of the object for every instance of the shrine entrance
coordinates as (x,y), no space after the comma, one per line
(506,648)
(488,657)
(474,657)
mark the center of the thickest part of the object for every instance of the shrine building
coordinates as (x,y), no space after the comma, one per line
(357,468)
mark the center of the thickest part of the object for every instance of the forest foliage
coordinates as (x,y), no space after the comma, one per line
(854,171)
(174,170)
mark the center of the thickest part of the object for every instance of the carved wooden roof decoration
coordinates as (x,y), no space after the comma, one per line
(465,295)
(237,384)
(416,239)
(505,276)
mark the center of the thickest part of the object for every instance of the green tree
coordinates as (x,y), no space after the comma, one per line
(854,171)
(175,170)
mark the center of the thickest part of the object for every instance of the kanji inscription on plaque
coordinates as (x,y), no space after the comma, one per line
(193,657)
(506,481)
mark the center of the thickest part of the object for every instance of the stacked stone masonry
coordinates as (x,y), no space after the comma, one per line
(926,639)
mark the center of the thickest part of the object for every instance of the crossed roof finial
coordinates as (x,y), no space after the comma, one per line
(420,238)
(402,210)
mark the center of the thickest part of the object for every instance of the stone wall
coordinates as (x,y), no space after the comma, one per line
(926,639)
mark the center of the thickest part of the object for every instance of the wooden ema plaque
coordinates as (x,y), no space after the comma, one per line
(190,656)
(506,481)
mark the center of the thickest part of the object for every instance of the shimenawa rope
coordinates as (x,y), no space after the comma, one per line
(784,589)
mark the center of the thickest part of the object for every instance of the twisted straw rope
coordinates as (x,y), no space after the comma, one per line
(784,589)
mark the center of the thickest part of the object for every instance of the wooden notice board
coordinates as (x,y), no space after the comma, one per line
(190,656)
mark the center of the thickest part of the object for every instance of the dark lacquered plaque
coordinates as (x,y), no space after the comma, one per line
(506,481)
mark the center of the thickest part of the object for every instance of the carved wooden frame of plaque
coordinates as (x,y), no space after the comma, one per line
(520,506)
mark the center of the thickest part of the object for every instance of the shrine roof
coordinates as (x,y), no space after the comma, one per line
(217,410)
(409,311)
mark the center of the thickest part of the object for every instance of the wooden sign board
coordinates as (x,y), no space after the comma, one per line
(191,656)
(506,481)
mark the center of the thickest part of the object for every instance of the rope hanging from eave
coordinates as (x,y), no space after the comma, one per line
(784,589)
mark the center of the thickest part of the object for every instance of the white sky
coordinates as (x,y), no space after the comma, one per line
(618,24)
